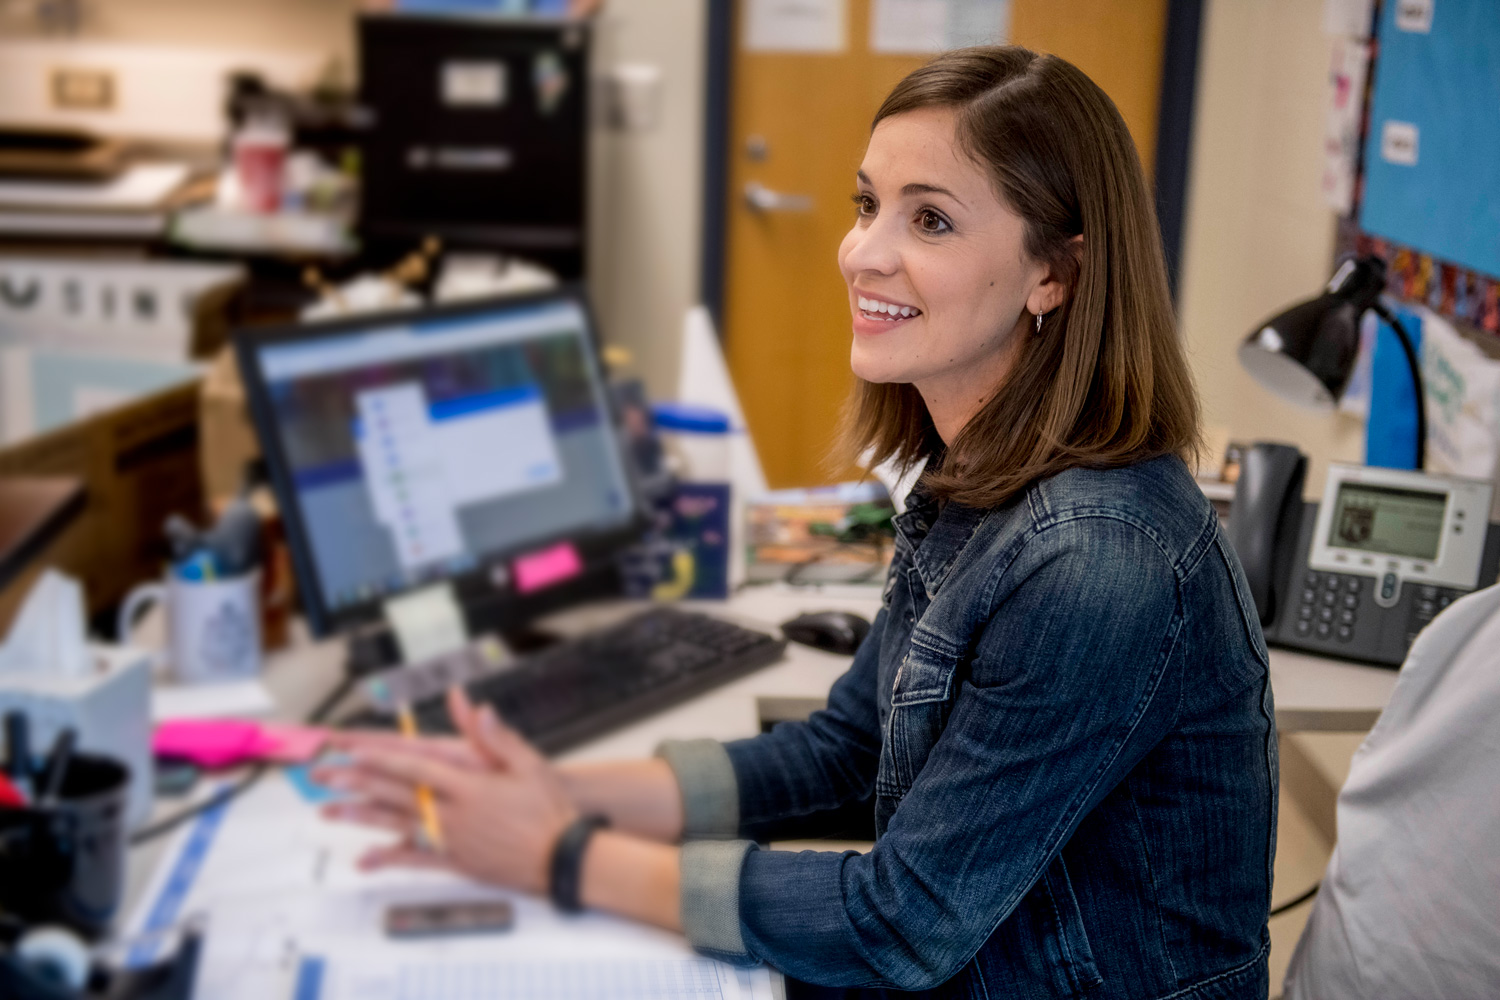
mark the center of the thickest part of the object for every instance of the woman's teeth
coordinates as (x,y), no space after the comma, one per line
(886,310)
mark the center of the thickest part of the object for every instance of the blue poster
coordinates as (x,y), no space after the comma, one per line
(1432,159)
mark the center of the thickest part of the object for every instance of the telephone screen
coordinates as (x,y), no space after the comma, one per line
(1392,522)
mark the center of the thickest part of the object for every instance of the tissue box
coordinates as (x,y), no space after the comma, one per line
(109,707)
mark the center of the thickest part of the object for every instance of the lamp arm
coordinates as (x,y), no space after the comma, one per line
(1416,378)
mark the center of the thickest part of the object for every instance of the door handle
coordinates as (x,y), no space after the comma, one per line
(762,199)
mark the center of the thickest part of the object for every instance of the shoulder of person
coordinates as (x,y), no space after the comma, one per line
(1132,520)
(1158,497)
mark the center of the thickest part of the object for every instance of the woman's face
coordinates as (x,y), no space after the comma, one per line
(939,284)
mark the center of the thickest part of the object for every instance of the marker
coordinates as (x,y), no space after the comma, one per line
(49,787)
(18,752)
(426,805)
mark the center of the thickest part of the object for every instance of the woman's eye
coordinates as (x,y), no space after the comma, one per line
(931,222)
(864,205)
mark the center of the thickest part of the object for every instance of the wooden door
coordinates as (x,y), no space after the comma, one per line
(798,128)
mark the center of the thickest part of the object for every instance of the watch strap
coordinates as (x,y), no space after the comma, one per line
(566,880)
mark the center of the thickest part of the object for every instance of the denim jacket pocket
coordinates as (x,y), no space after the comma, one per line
(921,698)
(1065,941)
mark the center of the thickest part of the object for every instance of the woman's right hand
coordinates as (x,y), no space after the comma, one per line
(466,750)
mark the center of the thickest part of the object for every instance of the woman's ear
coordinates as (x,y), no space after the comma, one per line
(1056,283)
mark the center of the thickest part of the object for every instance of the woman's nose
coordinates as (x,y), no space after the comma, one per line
(873,248)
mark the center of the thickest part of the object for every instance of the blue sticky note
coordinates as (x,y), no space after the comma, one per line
(302,780)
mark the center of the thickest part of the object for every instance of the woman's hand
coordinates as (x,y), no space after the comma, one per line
(500,821)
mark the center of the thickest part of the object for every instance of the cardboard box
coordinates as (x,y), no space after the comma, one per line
(139,463)
(227,438)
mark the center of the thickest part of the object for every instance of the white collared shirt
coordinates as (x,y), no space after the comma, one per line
(1410,904)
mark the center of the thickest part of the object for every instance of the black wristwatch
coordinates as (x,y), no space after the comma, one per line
(567,862)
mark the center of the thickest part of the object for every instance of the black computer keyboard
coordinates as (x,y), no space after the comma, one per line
(578,689)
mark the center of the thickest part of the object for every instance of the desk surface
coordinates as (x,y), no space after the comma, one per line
(1311,693)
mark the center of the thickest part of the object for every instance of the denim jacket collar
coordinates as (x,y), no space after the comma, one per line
(936,534)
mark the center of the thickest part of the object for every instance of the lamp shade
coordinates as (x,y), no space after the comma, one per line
(1306,354)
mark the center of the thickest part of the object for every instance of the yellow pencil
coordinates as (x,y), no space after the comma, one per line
(425,802)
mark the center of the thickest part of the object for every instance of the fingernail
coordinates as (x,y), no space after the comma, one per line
(488,719)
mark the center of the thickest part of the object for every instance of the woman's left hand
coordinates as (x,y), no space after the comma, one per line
(499,824)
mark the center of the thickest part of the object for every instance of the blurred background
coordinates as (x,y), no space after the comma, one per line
(175,170)
(1227,101)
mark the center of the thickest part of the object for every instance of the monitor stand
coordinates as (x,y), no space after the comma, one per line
(373,647)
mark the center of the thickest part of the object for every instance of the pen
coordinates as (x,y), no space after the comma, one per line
(18,752)
(49,785)
(425,803)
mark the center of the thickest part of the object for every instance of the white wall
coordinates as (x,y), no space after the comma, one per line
(1258,236)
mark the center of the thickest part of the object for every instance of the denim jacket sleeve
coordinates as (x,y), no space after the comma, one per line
(803,779)
(1068,688)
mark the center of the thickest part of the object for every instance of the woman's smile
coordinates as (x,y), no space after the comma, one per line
(874,314)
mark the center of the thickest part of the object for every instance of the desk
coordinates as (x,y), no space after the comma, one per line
(1312,693)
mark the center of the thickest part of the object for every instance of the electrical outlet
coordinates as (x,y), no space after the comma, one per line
(83,89)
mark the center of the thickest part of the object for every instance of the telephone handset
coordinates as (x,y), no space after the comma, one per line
(1361,573)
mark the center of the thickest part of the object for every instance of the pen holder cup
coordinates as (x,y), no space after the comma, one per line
(213,626)
(65,863)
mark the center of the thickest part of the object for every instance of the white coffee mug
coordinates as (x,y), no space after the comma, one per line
(213,626)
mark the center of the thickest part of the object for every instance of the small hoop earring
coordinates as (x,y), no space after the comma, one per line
(1038,322)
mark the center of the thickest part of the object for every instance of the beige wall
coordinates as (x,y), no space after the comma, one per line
(1258,235)
(646,195)
(258,24)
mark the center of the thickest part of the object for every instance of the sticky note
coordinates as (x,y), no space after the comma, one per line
(427,622)
(547,567)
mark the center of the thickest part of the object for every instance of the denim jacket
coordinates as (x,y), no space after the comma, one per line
(1061,731)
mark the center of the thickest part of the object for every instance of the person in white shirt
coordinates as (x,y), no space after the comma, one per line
(1410,905)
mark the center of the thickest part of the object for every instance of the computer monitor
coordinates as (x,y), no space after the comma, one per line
(474,443)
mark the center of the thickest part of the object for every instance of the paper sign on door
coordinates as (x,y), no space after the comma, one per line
(795,25)
(921,26)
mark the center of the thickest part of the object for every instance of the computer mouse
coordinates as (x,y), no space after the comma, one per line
(834,631)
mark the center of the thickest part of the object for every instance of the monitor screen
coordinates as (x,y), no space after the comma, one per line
(1388,521)
(420,449)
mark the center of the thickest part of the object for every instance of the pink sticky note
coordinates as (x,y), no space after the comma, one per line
(547,567)
(208,742)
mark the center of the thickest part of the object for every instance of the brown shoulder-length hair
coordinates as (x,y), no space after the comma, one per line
(1105,382)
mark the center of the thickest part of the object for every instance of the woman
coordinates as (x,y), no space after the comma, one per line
(1061,724)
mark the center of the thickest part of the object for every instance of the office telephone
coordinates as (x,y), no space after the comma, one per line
(1358,575)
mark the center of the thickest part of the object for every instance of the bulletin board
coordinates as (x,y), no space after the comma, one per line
(1429,186)
(1432,155)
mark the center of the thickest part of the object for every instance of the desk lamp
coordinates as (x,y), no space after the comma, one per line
(1306,354)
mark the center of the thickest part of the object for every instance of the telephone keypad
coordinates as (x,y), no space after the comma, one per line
(1329,607)
(1330,603)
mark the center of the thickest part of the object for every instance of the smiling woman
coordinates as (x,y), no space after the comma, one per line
(1058,731)
(1002,201)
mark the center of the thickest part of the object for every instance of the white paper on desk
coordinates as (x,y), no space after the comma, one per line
(141,187)
(278,880)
